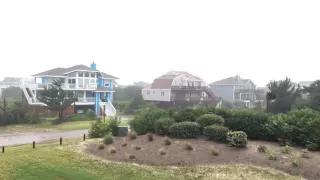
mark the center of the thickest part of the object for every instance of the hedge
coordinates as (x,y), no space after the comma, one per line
(216,133)
(162,125)
(251,122)
(185,130)
(237,139)
(210,119)
(144,119)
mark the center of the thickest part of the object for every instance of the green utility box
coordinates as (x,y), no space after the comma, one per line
(123,131)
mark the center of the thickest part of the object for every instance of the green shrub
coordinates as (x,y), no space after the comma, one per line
(272,156)
(186,114)
(296,127)
(305,154)
(286,150)
(295,162)
(108,139)
(144,119)
(32,117)
(262,148)
(249,121)
(162,125)
(91,114)
(201,110)
(113,124)
(210,119)
(98,129)
(237,139)
(216,133)
(225,113)
(185,130)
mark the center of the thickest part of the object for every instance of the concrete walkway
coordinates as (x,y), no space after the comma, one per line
(16,139)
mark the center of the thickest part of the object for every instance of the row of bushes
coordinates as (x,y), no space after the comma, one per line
(99,129)
(18,112)
(299,127)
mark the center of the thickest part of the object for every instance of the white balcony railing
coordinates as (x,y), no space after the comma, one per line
(70,86)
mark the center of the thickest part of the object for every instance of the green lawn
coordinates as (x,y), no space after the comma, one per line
(51,161)
(46,126)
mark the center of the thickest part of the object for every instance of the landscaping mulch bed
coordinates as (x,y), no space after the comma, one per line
(177,155)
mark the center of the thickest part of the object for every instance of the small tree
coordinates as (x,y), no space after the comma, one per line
(56,98)
(285,93)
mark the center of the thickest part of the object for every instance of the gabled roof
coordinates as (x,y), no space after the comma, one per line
(232,81)
(11,80)
(161,84)
(165,80)
(63,71)
(174,74)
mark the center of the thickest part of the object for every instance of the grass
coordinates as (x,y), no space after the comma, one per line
(46,126)
(51,161)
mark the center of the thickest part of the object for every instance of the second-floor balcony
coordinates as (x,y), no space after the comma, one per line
(67,86)
(189,88)
(191,99)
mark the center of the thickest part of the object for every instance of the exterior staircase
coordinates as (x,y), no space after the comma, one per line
(109,108)
(27,90)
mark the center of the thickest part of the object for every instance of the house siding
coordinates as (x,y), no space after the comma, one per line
(156,95)
(224,91)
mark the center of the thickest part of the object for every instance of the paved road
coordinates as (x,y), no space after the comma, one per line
(16,139)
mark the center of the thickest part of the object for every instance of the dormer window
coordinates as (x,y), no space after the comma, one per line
(107,84)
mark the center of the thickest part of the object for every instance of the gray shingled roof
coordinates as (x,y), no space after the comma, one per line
(231,81)
(62,71)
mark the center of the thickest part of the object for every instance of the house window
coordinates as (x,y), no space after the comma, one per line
(154,92)
(86,74)
(106,84)
(92,75)
(148,92)
(71,81)
(92,81)
(80,74)
(162,93)
(80,81)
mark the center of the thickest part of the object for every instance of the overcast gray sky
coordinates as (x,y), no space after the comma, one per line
(140,40)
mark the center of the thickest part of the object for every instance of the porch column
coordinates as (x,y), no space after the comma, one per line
(84,96)
(97,103)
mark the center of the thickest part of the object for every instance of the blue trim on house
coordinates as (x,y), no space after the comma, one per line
(110,84)
(100,81)
(111,97)
(44,80)
(97,104)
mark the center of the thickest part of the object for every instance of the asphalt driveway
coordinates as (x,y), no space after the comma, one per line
(16,139)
